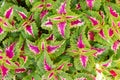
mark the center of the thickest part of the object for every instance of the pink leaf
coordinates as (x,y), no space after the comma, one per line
(110,32)
(90,3)
(12,22)
(9,50)
(91,35)
(83,60)
(57,18)
(77,23)
(46,66)
(108,63)
(78,7)
(1,31)
(43,13)
(34,49)
(93,21)
(24,58)
(29,30)
(4,71)
(50,75)
(99,51)
(60,67)
(49,24)
(101,33)
(17,64)
(22,15)
(80,43)
(61,28)
(8,13)
(52,49)
(115,45)
(50,38)
(1,57)
(113,12)
(43,45)
(40,6)
(62,9)
(31,17)
(8,62)
(5,24)
(70,17)
(113,73)
(20,70)
(48,5)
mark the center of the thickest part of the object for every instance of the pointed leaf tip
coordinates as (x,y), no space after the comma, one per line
(60,67)
(77,23)
(49,24)
(22,15)
(93,21)
(80,43)
(113,73)
(110,31)
(4,71)
(107,64)
(50,75)
(61,28)
(43,13)
(113,12)
(90,3)
(101,33)
(34,49)
(47,67)
(9,50)
(91,35)
(52,49)
(83,60)
(29,30)
(78,6)
(62,9)
(51,37)
(8,12)
(115,45)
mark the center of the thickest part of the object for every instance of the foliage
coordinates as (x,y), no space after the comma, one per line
(59,39)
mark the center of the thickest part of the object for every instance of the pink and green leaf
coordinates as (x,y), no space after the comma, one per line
(4,71)
(22,15)
(94,21)
(8,13)
(61,28)
(113,12)
(29,30)
(34,48)
(83,60)
(52,49)
(80,43)
(20,70)
(10,50)
(47,67)
(62,8)
(90,3)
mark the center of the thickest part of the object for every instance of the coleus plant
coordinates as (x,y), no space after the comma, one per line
(59,40)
